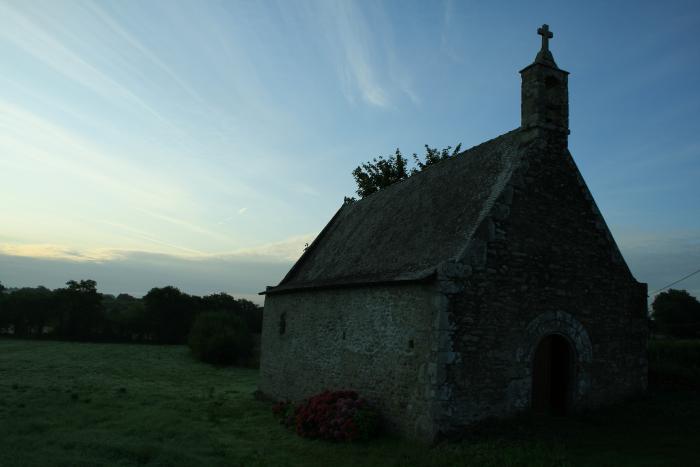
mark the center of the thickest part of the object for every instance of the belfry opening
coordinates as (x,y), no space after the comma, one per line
(552,375)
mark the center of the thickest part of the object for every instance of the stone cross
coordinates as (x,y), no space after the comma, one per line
(546,36)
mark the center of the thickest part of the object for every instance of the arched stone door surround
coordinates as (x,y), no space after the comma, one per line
(565,325)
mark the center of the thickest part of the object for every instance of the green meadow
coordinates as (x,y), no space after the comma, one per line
(80,404)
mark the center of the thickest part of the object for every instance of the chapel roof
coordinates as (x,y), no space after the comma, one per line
(405,231)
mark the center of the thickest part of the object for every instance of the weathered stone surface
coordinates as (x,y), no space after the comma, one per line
(380,341)
(430,297)
(559,251)
(405,231)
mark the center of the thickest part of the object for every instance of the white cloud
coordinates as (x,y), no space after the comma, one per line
(306,189)
(242,273)
(347,28)
(286,250)
(136,273)
(153,238)
(59,252)
(45,47)
(143,50)
(36,143)
(189,225)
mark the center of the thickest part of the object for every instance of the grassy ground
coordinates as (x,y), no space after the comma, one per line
(70,404)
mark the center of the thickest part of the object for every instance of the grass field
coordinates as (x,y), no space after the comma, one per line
(72,404)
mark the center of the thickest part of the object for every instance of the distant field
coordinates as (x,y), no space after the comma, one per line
(71,404)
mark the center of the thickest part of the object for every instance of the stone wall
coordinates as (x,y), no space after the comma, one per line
(379,341)
(435,357)
(543,262)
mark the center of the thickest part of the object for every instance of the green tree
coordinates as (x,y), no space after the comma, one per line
(79,310)
(249,311)
(26,311)
(125,318)
(169,314)
(379,173)
(433,156)
(3,310)
(220,337)
(677,313)
(31,310)
(219,301)
(252,314)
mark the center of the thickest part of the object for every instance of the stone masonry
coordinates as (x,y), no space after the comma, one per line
(432,297)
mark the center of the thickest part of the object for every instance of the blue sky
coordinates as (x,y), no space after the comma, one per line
(202,144)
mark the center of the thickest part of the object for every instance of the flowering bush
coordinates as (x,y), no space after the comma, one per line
(336,416)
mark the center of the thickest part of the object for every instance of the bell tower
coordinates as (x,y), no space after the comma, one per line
(545,93)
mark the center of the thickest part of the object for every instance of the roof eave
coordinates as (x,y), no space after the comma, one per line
(423,277)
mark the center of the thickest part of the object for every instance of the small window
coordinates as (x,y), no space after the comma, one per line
(283,323)
(551,82)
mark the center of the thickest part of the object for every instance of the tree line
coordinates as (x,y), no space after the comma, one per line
(79,312)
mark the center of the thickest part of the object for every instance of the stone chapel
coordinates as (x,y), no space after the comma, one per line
(486,285)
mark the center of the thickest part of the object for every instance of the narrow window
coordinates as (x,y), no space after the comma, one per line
(283,323)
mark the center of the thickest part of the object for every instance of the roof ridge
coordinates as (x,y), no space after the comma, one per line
(498,188)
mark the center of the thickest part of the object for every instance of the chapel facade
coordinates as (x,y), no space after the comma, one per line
(486,285)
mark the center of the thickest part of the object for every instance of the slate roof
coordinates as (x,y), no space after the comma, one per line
(405,231)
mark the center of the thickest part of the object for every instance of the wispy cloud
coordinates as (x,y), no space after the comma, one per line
(348,30)
(45,47)
(136,272)
(153,238)
(447,31)
(188,225)
(38,143)
(286,250)
(142,49)
(59,252)
(306,189)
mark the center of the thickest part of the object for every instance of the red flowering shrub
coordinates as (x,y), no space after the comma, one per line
(336,416)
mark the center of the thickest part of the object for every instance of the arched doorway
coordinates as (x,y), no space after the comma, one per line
(552,375)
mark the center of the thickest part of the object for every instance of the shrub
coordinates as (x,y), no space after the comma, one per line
(674,363)
(220,337)
(677,313)
(284,410)
(334,416)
